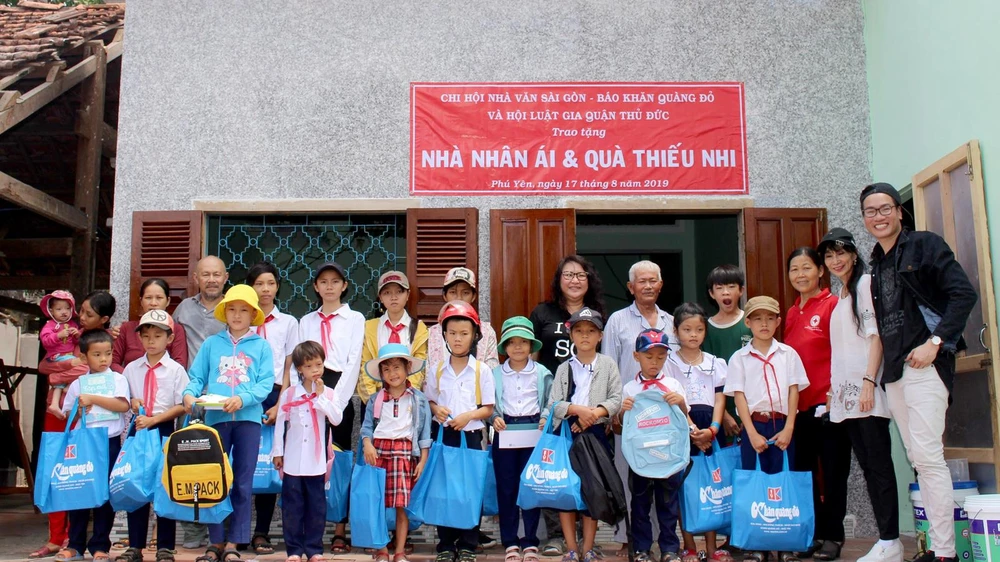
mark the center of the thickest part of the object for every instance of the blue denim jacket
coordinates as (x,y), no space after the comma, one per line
(421,425)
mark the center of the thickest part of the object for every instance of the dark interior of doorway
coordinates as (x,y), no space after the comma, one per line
(686,247)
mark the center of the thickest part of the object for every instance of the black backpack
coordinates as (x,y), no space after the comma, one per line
(196,469)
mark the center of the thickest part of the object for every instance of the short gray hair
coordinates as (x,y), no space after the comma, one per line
(644,265)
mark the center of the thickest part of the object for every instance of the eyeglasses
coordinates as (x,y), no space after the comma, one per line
(884,210)
(578,275)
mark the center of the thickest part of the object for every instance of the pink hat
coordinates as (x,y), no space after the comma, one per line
(61,295)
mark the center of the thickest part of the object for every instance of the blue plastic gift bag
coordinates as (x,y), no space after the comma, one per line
(266,478)
(72,468)
(772,511)
(707,495)
(390,520)
(367,510)
(134,477)
(450,491)
(163,507)
(548,480)
(490,504)
(656,441)
(338,485)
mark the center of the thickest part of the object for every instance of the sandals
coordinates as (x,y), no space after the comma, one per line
(317,558)
(722,555)
(754,557)
(829,551)
(340,545)
(294,558)
(672,557)
(690,556)
(101,557)
(164,555)
(212,554)
(788,557)
(151,545)
(530,554)
(261,545)
(68,555)
(382,556)
(512,554)
(44,552)
(130,555)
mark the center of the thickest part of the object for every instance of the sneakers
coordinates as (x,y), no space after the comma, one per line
(445,556)
(929,556)
(466,556)
(643,556)
(891,553)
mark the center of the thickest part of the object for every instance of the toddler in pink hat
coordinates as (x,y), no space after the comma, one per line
(59,336)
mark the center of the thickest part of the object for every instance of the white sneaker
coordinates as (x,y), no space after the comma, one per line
(879,553)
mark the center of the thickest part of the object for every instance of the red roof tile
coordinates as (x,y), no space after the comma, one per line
(35,33)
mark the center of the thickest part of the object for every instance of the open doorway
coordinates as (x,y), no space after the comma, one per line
(686,247)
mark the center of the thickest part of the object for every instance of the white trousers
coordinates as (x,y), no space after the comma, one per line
(918,403)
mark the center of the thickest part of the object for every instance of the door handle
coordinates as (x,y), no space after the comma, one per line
(983,341)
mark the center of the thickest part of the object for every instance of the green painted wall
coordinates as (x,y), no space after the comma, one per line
(933,85)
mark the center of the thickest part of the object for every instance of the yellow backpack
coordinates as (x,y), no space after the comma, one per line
(196,469)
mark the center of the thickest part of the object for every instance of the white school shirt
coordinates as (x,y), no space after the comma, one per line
(849,356)
(383,331)
(582,376)
(282,333)
(343,352)
(699,381)
(396,419)
(635,386)
(520,389)
(303,446)
(115,426)
(746,374)
(457,391)
(171,380)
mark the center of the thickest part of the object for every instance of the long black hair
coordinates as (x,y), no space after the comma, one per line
(593,298)
(857,270)
(103,304)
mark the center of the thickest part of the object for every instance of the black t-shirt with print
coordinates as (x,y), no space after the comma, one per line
(549,322)
(901,325)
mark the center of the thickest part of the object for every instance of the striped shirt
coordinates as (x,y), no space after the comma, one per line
(620,333)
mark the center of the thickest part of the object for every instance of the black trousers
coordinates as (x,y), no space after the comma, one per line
(450,539)
(824,449)
(872,446)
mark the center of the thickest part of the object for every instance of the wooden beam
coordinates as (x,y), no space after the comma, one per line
(973,454)
(116,46)
(39,5)
(34,283)
(18,305)
(27,248)
(35,99)
(39,202)
(109,141)
(90,128)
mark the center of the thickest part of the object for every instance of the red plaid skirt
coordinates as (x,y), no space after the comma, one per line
(396,457)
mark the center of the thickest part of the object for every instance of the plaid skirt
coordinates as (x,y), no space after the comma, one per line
(396,457)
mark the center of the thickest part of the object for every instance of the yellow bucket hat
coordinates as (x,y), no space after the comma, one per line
(243,293)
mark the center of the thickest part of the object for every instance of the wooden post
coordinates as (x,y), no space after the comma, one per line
(90,129)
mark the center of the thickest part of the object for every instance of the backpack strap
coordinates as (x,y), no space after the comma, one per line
(379,400)
(413,329)
(479,391)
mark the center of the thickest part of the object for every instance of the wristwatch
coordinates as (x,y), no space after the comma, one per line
(936,340)
(693,428)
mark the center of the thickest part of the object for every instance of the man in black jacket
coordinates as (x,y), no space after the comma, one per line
(922,300)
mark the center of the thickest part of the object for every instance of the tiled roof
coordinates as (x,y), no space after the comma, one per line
(35,33)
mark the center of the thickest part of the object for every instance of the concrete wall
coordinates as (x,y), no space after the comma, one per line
(309,100)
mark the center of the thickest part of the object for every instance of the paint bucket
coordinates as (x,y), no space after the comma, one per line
(961,491)
(984,524)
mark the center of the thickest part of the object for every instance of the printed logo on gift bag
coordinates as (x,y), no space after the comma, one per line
(774,494)
(70,452)
(717,476)
(714,496)
(547,456)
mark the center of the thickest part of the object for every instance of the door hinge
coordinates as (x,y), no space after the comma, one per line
(968,159)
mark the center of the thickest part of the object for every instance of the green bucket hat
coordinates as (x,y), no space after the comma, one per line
(518,327)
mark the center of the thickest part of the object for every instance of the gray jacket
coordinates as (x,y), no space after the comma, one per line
(605,389)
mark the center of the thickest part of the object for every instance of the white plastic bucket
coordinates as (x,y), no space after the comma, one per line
(961,491)
(984,525)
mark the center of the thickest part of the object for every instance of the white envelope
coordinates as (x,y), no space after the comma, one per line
(520,436)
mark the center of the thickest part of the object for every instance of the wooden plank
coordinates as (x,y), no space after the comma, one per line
(90,129)
(116,46)
(693,205)
(44,93)
(948,214)
(39,202)
(946,163)
(8,80)
(8,98)
(27,248)
(974,454)
(109,141)
(34,283)
(23,307)
(39,5)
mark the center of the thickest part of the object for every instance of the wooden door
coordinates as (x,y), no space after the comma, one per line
(948,199)
(438,240)
(168,245)
(525,248)
(771,235)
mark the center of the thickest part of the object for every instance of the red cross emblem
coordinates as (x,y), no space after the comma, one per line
(547,456)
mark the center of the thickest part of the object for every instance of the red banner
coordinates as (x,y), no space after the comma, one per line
(577,138)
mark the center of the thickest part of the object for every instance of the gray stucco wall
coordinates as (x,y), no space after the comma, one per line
(310,99)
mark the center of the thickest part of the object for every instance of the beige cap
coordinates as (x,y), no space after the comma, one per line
(457,274)
(762,303)
(397,277)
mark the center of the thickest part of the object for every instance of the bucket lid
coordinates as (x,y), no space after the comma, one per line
(985,502)
(955,485)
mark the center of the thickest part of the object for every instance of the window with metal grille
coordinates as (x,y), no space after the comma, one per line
(366,245)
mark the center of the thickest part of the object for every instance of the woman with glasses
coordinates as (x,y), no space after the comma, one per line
(575,285)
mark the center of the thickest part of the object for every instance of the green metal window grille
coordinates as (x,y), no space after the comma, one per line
(366,245)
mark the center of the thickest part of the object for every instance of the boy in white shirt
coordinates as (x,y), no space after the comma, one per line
(461,392)
(765,377)
(104,408)
(304,408)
